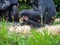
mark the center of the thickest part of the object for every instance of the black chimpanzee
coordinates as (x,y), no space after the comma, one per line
(3,9)
(42,8)
(9,9)
(13,10)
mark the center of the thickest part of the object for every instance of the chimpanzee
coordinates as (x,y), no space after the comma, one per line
(9,9)
(13,10)
(43,9)
(3,9)
(48,9)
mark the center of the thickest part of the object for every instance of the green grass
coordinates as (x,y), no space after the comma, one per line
(34,38)
(58,14)
(56,23)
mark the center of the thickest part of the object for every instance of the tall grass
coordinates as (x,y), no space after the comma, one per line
(34,38)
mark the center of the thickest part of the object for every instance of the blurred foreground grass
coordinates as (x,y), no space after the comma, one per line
(34,38)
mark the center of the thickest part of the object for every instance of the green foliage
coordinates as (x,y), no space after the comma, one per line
(55,23)
(22,0)
(58,14)
(35,38)
(57,2)
(23,7)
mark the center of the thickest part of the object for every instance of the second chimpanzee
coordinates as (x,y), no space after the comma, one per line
(44,8)
(4,4)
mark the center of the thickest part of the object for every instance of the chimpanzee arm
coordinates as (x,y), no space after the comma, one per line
(5,5)
(35,24)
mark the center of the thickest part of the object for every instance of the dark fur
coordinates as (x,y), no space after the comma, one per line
(40,8)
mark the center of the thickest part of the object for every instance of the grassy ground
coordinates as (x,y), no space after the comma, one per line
(26,39)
